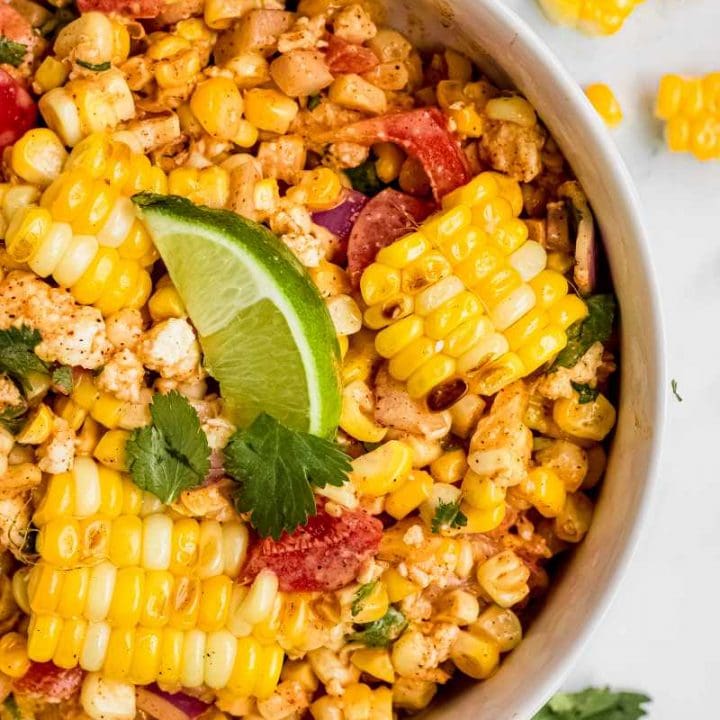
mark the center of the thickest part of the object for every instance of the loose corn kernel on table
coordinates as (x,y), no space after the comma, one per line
(666,604)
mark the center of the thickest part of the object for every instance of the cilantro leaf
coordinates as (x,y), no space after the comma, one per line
(172,454)
(382,632)
(17,356)
(447,515)
(361,594)
(364,178)
(95,67)
(62,379)
(12,417)
(12,53)
(313,101)
(586,394)
(594,704)
(674,388)
(275,468)
(596,327)
(10,704)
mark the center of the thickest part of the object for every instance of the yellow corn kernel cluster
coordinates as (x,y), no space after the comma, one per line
(83,230)
(88,105)
(690,107)
(218,106)
(318,189)
(207,186)
(595,17)
(605,103)
(125,588)
(468,296)
(483,503)
(358,701)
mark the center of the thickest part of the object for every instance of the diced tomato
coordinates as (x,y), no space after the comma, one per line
(344,57)
(129,8)
(17,28)
(18,112)
(387,217)
(49,683)
(323,555)
(423,134)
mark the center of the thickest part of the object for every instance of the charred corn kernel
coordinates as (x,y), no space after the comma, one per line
(14,660)
(372,606)
(691,110)
(482,492)
(398,587)
(385,313)
(591,421)
(605,103)
(38,156)
(545,490)
(185,603)
(412,493)
(450,466)
(110,450)
(37,429)
(456,271)
(43,636)
(482,520)
(356,413)
(574,521)
(59,542)
(595,17)
(504,578)
(475,656)
(270,110)
(50,74)
(378,472)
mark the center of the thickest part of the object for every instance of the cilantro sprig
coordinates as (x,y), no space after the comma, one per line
(95,67)
(382,632)
(17,355)
(448,515)
(364,178)
(172,454)
(276,468)
(12,53)
(586,394)
(596,327)
(361,594)
(595,704)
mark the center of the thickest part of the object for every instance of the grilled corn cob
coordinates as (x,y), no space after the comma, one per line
(467,299)
(690,108)
(595,17)
(84,232)
(126,589)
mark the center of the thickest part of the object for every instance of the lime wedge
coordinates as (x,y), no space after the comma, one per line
(264,329)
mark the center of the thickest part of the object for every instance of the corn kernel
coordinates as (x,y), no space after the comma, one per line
(605,103)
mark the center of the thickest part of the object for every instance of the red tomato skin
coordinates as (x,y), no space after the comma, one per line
(18,112)
(323,555)
(344,57)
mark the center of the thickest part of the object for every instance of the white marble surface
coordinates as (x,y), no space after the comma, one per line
(662,634)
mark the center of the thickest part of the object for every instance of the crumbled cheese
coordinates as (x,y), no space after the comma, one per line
(171,349)
(414,536)
(123,376)
(57,453)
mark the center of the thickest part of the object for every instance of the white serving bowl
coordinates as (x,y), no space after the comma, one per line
(511,52)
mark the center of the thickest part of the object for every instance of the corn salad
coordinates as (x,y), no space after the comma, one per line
(474,333)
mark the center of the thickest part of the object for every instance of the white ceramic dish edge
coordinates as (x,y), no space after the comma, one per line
(494,35)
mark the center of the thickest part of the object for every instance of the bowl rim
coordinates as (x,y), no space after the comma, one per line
(611,167)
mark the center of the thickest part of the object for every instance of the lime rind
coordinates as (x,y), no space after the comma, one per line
(264,328)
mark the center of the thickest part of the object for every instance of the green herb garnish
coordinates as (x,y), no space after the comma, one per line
(594,704)
(172,454)
(586,394)
(596,327)
(674,388)
(10,704)
(361,594)
(381,632)
(364,178)
(95,67)
(448,515)
(12,53)
(313,101)
(62,379)
(17,355)
(12,418)
(276,468)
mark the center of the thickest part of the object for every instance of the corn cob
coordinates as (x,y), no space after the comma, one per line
(595,17)
(467,300)
(690,108)
(125,588)
(84,232)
